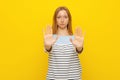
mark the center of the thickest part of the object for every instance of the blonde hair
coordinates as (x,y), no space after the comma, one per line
(69,26)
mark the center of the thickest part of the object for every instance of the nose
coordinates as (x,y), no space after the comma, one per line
(62,19)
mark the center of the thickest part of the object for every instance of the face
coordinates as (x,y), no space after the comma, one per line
(62,19)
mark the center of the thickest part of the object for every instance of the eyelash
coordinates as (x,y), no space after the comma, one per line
(65,17)
(58,17)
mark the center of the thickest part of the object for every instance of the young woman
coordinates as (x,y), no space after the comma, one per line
(63,47)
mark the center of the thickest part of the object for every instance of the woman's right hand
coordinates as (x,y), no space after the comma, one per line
(48,37)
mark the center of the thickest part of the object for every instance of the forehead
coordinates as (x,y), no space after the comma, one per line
(62,12)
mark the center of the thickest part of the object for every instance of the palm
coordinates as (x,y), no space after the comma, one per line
(79,38)
(48,36)
(48,39)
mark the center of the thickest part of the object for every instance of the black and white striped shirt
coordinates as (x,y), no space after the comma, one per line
(64,63)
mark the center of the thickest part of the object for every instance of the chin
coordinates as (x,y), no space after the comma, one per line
(62,27)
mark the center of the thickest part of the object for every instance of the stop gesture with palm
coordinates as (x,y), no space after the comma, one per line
(78,39)
(48,37)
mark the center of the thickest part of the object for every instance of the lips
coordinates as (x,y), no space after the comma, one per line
(62,24)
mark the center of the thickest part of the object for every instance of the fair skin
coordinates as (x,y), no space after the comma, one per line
(62,21)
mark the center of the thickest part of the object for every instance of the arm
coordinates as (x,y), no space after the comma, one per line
(48,39)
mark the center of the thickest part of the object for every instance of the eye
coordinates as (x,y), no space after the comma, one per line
(58,17)
(65,17)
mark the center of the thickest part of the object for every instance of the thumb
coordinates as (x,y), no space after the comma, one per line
(71,40)
(56,39)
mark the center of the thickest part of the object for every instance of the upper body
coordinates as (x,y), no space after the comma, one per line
(62,28)
(63,40)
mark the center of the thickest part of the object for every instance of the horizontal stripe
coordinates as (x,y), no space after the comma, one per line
(64,63)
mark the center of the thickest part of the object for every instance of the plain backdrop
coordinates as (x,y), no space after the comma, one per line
(21,40)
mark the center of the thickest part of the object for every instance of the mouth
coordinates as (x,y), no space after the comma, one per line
(62,24)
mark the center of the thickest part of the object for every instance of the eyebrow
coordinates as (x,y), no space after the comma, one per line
(63,15)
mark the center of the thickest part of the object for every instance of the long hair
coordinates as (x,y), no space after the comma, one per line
(69,25)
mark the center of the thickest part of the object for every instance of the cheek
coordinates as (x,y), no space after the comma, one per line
(57,21)
(66,20)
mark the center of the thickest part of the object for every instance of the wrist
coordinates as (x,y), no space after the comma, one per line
(48,48)
(79,49)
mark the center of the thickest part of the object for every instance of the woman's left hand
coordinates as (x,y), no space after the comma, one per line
(79,38)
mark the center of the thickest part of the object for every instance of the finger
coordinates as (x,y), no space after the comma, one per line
(51,30)
(48,29)
(56,38)
(75,32)
(44,33)
(80,32)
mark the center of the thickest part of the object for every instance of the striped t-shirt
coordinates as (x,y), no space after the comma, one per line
(64,63)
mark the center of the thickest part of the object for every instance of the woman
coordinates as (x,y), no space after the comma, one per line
(63,47)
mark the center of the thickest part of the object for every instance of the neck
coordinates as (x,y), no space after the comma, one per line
(63,32)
